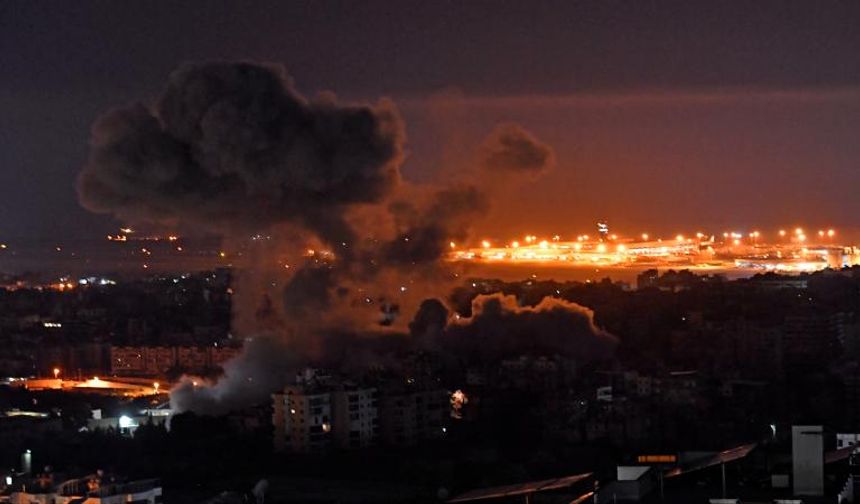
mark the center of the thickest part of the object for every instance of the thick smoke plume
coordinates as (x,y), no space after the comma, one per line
(234,148)
(511,149)
(425,234)
(241,379)
(499,327)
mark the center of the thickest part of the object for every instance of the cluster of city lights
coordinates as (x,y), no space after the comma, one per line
(787,251)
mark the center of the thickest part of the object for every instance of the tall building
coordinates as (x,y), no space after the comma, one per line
(317,414)
(301,417)
(355,416)
(314,415)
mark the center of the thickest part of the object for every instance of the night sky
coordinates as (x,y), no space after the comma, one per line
(664,116)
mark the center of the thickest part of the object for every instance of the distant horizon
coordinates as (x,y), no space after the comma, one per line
(699,115)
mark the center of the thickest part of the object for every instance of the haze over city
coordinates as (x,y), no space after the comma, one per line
(439,251)
(660,115)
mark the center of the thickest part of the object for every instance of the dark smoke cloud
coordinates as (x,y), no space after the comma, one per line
(429,321)
(432,316)
(233,145)
(384,279)
(268,362)
(512,149)
(308,293)
(234,148)
(499,327)
(427,232)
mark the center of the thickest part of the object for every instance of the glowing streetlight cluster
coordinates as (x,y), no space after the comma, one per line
(725,250)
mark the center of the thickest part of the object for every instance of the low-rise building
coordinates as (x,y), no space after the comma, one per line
(126,425)
(156,360)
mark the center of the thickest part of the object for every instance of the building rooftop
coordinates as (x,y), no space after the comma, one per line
(520,488)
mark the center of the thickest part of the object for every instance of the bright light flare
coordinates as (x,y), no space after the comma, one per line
(458,400)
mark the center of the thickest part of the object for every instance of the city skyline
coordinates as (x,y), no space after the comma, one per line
(429,251)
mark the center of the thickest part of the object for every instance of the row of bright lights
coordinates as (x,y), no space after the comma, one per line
(96,381)
(544,244)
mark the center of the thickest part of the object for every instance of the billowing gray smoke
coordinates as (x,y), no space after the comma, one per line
(234,146)
(242,378)
(512,149)
(499,327)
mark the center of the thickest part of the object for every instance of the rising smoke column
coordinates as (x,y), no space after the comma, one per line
(386,278)
(234,148)
(264,366)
